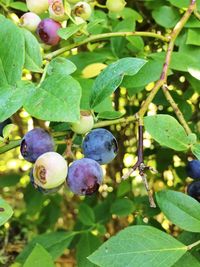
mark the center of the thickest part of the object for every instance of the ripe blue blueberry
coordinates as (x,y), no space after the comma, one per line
(193,169)
(35,143)
(50,170)
(3,124)
(193,190)
(47,31)
(84,176)
(100,145)
(42,190)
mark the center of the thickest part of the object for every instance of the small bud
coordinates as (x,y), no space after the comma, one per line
(83,10)
(37,7)
(30,21)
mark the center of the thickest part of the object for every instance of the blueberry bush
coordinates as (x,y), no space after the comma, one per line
(100,133)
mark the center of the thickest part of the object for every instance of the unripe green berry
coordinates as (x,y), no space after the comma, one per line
(50,170)
(115,5)
(83,10)
(37,7)
(85,123)
(57,11)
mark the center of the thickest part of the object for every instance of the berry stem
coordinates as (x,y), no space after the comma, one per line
(176,109)
(97,37)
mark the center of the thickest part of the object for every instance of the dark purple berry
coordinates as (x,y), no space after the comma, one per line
(47,31)
(84,176)
(100,145)
(35,143)
(193,169)
(193,190)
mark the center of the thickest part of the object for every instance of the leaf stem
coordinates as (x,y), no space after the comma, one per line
(189,247)
(97,37)
(176,109)
(163,77)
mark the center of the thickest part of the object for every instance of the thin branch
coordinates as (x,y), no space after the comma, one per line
(141,166)
(176,109)
(163,77)
(97,37)
(196,13)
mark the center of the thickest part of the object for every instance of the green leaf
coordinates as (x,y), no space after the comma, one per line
(33,58)
(139,246)
(12,52)
(5,211)
(166,16)
(11,99)
(55,243)
(193,37)
(167,131)
(61,65)
(66,33)
(150,72)
(111,77)
(122,207)
(196,150)
(39,257)
(110,115)
(86,214)
(181,209)
(187,260)
(57,99)
(86,245)
(9,179)
(19,6)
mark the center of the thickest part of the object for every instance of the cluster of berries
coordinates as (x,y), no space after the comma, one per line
(47,29)
(193,171)
(50,170)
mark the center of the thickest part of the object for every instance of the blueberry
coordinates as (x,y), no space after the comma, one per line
(83,10)
(37,7)
(193,169)
(100,145)
(115,6)
(35,143)
(57,11)
(3,124)
(85,123)
(50,170)
(30,21)
(42,190)
(193,190)
(84,176)
(47,31)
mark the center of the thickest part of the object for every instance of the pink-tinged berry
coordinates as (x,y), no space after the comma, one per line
(115,6)
(84,176)
(85,124)
(47,31)
(50,170)
(83,10)
(37,7)
(30,21)
(57,11)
